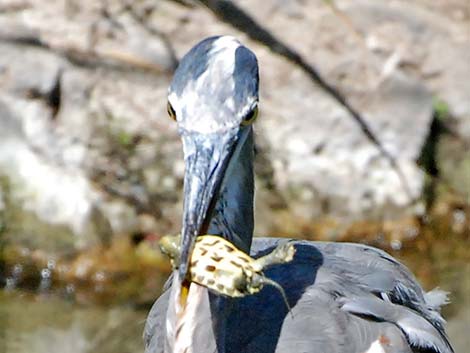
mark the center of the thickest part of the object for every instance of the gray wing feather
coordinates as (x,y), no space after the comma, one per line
(419,331)
(154,330)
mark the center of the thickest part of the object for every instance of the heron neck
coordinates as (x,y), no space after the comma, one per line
(233,217)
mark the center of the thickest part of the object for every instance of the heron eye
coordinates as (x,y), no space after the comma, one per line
(250,117)
(171,111)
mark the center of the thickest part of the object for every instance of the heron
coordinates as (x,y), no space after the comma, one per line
(343,297)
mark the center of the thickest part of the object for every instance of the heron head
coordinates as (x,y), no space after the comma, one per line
(214,99)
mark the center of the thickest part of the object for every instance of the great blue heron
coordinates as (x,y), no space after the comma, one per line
(346,298)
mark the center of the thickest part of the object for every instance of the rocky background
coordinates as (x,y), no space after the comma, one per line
(363,135)
(87,151)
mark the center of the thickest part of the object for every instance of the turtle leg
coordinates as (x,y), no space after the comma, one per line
(170,246)
(283,253)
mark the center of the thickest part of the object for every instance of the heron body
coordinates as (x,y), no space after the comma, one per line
(346,298)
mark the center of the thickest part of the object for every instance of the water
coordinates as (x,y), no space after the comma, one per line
(47,324)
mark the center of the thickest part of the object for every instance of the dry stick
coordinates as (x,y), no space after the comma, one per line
(230,13)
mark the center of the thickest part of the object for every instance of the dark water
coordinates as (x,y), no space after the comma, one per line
(47,321)
(47,324)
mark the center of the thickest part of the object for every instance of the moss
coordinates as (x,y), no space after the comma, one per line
(124,139)
(441,109)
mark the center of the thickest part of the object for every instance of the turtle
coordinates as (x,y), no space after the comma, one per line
(226,270)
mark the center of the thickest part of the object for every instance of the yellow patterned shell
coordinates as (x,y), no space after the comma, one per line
(218,265)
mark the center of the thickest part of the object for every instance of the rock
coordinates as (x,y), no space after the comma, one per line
(40,193)
(323,160)
(378,55)
(136,45)
(68,120)
(51,158)
(18,81)
(87,148)
(453,161)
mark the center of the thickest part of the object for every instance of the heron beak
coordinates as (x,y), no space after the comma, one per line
(206,158)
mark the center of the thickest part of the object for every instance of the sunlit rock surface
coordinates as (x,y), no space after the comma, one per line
(87,150)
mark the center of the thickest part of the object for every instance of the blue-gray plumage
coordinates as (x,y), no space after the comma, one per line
(346,298)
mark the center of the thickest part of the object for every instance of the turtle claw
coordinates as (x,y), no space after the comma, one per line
(283,253)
